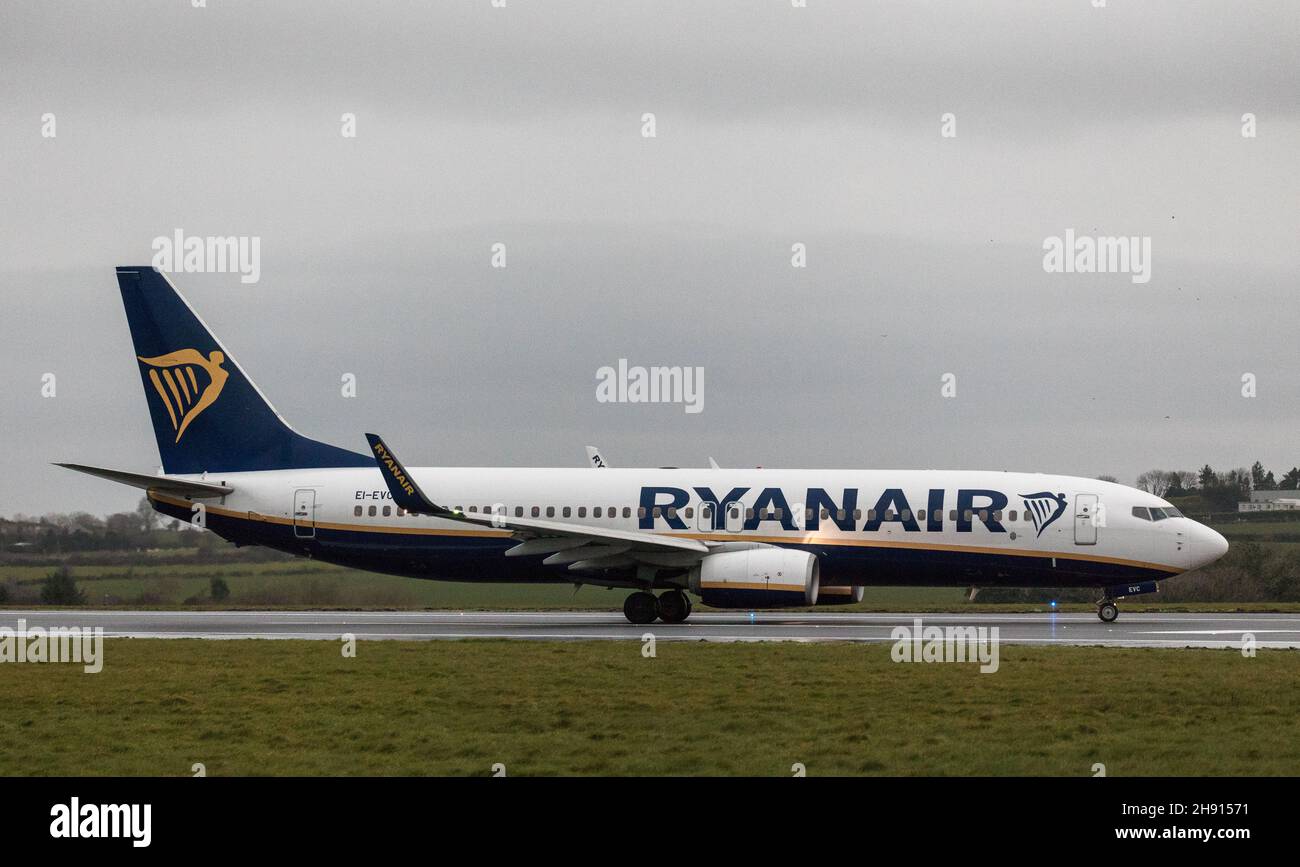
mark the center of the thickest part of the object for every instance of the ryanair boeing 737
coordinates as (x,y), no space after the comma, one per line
(760,538)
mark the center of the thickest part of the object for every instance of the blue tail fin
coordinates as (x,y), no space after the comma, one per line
(207,415)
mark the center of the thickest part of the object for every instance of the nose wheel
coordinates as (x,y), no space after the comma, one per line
(1107,611)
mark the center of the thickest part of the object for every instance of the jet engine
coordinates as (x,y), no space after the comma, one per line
(757,578)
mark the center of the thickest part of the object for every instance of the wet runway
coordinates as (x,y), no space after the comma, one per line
(1131,630)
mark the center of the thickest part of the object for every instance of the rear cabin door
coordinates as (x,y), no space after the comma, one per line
(304,513)
(1085,519)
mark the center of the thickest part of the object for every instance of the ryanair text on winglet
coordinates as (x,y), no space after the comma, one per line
(398,475)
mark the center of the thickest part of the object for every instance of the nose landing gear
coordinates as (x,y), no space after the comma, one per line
(1107,610)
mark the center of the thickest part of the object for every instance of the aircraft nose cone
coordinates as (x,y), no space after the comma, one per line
(1210,545)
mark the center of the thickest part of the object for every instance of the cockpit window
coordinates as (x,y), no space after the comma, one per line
(1141,512)
(1172,512)
(1158,514)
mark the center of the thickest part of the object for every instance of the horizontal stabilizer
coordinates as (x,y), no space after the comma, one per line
(167,484)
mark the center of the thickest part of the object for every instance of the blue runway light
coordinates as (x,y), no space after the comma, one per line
(1053,603)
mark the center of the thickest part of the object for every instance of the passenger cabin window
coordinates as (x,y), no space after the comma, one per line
(373,511)
(568,510)
(550,511)
(519,511)
(536,512)
(388,510)
(357,511)
(952,514)
(1012,515)
(627,512)
(857,514)
(582,511)
(690,512)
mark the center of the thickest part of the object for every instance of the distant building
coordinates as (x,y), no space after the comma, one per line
(1271,501)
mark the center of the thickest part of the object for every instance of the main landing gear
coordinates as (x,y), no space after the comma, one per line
(1107,611)
(642,607)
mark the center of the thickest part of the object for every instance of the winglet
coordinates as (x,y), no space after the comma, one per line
(406,492)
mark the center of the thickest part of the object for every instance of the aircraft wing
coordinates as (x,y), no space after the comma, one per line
(166,484)
(407,494)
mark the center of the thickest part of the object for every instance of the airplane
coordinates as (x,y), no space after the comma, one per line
(734,538)
(597,460)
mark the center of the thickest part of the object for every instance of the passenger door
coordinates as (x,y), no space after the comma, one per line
(1085,519)
(735,517)
(704,521)
(304,513)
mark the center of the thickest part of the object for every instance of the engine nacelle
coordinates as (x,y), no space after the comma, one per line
(840,594)
(757,578)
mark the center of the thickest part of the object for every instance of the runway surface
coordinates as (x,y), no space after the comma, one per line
(1131,630)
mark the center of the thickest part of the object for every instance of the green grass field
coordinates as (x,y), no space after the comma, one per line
(456,708)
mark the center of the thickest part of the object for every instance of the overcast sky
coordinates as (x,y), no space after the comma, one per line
(774,126)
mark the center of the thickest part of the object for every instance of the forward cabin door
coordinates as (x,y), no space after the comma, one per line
(304,513)
(1085,519)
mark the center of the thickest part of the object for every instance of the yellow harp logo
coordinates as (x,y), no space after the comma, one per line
(173,378)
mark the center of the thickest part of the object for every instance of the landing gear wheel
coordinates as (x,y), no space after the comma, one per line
(641,607)
(1108,611)
(674,606)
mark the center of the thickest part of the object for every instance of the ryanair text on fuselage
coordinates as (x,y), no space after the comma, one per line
(972,505)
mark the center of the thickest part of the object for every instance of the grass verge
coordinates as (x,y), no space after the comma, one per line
(455,708)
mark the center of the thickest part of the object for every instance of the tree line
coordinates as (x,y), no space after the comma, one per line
(1221,491)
